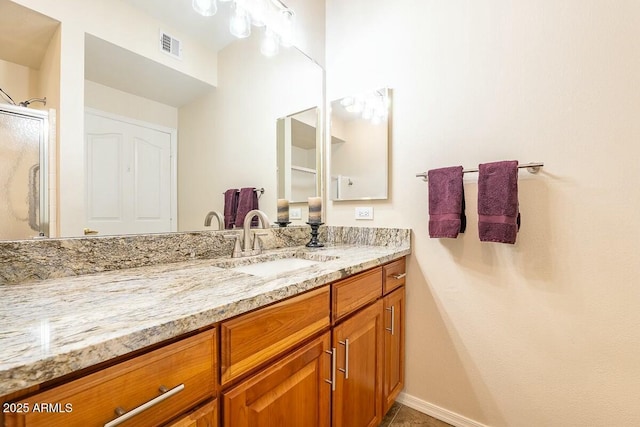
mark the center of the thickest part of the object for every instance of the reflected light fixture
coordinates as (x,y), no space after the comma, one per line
(372,106)
(277,18)
(240,23)
(205,7)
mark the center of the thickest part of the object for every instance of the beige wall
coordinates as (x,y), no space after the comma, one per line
(18,81)
(545,332)
(362,157)
(231,132)
(310,21)
(124,104)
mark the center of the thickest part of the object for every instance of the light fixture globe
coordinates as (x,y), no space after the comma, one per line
(240,23)
(205,7)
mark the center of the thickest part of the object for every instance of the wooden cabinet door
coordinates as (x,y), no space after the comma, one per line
(291,392)
(204,416)
(394,309)
(357,400)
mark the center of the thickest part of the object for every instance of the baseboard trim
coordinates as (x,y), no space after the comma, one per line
(442,414)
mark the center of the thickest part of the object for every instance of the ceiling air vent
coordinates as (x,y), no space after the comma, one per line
(170,45)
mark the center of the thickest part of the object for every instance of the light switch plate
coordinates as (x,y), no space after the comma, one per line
(295,213)
(364,212)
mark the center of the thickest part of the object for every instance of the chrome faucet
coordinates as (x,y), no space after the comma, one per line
(246,235)
(246,230)
(207,219)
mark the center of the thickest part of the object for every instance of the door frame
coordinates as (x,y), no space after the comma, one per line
(173,158)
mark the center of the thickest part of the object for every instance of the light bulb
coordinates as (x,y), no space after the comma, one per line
(270,45)
(205,7)
(240,23)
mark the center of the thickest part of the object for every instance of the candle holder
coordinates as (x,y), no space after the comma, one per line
(313,243)
(283,223)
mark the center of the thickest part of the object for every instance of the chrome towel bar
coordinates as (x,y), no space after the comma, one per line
(531,168)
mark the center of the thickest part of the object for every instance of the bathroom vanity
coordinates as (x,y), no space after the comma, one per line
(201,343)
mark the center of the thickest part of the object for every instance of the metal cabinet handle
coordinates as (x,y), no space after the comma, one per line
(124,416)
(88,231)
(399,276)
(332,381)
(345,343)
(392,329)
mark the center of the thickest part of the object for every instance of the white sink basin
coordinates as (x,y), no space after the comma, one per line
(275,267)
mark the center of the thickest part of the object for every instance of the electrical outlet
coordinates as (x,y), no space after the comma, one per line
(295,213)
(364,212)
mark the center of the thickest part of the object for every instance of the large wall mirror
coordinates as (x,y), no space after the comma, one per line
(205,122)
(360,146)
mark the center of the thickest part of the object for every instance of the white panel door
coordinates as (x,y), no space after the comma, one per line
(128,177)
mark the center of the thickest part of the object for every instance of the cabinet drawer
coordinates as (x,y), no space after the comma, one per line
(393,275)
(186,369)
(355,292)
(254,338)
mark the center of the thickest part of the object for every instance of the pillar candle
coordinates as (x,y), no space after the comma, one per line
(283,210)
(315,209)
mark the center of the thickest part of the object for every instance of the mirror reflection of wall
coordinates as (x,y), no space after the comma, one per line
(359,146)
(298,136)
(221,101)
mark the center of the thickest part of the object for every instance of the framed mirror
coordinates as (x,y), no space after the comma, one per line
(360,129)
(299,139)
(218,98)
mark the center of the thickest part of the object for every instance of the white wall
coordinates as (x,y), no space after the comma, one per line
(545,332)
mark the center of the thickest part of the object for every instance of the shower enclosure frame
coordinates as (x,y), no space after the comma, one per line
(43,191)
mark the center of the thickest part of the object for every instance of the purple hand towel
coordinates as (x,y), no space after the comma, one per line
(498,216)
(247,201)
(446,202)
(230,207)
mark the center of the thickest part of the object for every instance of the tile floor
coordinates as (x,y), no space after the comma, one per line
(403,416)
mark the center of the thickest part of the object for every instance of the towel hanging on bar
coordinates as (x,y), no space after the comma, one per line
(260,191)
(446,203)
(531,168)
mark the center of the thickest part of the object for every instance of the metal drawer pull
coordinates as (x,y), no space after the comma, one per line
(332,381)
(399,276)
(393,320)
(345,343)
(124,416)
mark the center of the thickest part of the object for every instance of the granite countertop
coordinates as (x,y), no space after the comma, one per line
(54,327)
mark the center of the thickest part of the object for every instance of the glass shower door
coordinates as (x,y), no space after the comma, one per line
(23,173)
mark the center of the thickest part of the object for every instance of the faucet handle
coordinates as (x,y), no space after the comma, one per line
(237,250)
(256,240)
